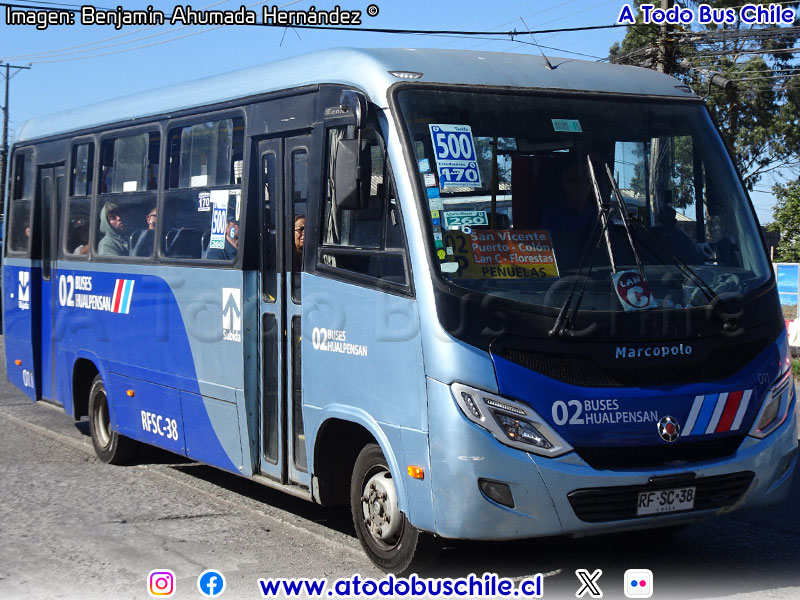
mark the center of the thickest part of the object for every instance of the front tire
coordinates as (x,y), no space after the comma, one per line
(386,535)
(110,446)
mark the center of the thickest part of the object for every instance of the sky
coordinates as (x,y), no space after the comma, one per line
(74,65)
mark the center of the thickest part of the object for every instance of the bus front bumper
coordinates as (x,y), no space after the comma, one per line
(462,453)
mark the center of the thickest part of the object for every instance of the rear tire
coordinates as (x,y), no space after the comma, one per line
(110,446)
(386,535)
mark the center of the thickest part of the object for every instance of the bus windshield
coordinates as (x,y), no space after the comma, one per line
(636,200)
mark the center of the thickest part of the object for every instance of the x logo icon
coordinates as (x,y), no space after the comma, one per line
(589,583)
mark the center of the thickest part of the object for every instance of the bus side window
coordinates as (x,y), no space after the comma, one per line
(76,240)
(129,163)
(202,204)
(128,180)
(19,226)
(370,238)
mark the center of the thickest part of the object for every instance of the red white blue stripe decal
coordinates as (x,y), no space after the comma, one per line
(121,300)
(717,413)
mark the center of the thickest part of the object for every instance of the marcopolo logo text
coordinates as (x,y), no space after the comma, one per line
(653,351)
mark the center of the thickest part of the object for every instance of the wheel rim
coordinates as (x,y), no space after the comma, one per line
(102,423)
(383,520)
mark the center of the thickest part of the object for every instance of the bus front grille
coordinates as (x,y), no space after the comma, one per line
(633,457)
(619,503)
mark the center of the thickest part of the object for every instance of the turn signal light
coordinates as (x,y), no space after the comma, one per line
(131,394)
(416,472)
(18,362)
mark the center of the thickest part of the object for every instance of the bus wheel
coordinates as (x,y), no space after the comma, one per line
(110,446)
(390,541)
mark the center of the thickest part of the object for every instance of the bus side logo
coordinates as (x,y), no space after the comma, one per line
(121,300)
(232,314)
(24,291)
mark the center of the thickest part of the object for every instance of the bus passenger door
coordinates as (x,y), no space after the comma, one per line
(295,201)
(272,351)
(51,184)
(284,192)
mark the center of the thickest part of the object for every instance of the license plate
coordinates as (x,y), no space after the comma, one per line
(665,501)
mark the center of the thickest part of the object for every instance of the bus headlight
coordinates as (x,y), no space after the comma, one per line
(775,408)
(510,422)
(521,430)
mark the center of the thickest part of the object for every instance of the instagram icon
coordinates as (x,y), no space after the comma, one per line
(161,583)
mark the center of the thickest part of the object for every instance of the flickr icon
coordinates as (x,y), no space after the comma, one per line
(638,583)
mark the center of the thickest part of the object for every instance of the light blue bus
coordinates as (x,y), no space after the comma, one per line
(470,296)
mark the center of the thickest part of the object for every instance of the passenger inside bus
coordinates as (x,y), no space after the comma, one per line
(151,218)
(674,238)
(231,241)
(141,242)
(79,237)
(21,230)
(112,226)
(299,240)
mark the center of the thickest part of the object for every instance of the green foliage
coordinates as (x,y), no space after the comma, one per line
(787,220)
(758,118)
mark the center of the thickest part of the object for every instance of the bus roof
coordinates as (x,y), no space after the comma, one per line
(368,70)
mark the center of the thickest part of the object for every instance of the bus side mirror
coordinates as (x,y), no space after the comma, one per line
(354,103)
(351,175)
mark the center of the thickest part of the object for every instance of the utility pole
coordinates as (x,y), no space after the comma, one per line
(660,146)
(4,147)
(663,61)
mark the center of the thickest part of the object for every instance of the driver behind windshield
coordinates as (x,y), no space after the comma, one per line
(571,216)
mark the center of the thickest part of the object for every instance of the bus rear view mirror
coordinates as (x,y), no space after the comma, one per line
(356,104)
(349,193)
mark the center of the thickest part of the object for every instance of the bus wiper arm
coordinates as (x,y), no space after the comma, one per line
(687,271)
(604,213)
(710,294)
(565,319)
(625,220)
(562,320)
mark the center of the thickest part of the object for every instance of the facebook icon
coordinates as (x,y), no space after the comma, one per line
(211,583)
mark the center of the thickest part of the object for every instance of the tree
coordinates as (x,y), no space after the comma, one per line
(758,116)
(787,220)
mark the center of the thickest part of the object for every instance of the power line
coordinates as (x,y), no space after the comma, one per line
(55,55)
(140,39)
(381,29)
(515,20)
(194,33)
(728,52)
(739,33)
(788,70)
(761,78)
(66,50)
(4,143)
(516,41)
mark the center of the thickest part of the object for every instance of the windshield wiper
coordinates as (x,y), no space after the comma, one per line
(604,211)
(687,271)
(625,220)
(564,320)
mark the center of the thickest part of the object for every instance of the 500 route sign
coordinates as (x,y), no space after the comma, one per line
(456,160)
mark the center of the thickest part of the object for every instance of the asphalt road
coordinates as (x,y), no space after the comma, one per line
(72,527)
